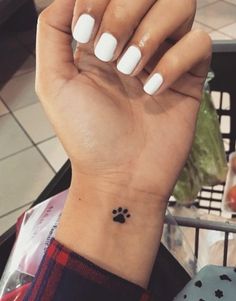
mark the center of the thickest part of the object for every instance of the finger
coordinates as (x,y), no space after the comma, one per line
(165,46)
(162,20)
(54,54)
(191,55)
(118,24)
(87,19)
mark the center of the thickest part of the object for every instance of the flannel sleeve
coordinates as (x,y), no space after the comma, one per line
(66,276)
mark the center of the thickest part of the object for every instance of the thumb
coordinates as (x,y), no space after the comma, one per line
(54,55)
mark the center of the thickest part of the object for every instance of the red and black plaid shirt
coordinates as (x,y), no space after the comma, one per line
(65,276)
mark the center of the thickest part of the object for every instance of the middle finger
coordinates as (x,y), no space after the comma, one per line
(119,21)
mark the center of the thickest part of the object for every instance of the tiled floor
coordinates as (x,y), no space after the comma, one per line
(30,153)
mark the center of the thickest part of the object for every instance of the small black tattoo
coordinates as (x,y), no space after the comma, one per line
(219,294)
(120,215)
(198,283)
(225,277)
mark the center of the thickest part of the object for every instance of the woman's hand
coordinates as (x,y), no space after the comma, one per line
(108,125)
(127,147)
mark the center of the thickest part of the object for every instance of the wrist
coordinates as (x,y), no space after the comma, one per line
(118,228)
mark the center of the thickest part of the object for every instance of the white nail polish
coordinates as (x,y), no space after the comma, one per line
(153,84)
(84,28)
(106,47)
(129,60)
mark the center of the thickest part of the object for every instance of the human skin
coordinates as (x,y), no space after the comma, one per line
(126,147)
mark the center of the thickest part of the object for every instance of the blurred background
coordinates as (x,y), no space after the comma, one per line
(30,153)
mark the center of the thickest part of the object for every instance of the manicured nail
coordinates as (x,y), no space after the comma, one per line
(129,60)
(153,84)
(106,47)
(84,28)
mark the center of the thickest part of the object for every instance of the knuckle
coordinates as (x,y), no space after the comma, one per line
(205,40)
(172,61)
(45,15)
(120,12)
(118,17)
(150,43)
(199,33)
(145,41)
(41,18)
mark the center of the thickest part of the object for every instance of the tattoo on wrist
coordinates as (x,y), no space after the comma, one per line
(120,215)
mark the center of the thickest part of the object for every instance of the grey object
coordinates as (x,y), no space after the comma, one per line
(199,225)
(211,283)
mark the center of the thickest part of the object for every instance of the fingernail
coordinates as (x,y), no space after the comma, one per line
(106,47)
(153,84)
(129,60)
(84,28)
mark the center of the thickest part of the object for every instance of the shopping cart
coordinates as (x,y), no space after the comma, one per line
(168,276)
(224,91)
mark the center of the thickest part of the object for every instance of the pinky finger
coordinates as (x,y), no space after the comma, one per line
(192,54)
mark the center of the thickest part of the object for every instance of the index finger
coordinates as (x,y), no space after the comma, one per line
(54,54)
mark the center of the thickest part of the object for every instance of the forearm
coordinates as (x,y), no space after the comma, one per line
(126,247)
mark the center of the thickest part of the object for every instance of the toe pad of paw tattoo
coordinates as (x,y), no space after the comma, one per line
(120,215)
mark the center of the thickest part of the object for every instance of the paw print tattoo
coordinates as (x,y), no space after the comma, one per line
(219,294)
(120,215)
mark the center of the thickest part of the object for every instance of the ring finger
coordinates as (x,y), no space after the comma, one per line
(166,18)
